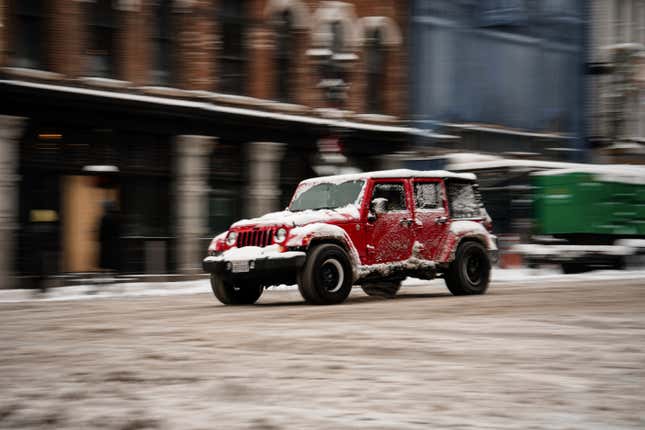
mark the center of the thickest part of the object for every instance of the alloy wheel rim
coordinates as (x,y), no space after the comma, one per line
(473,266)
(332,275)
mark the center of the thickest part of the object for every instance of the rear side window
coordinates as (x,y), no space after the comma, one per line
(426,195)
(464,200)
(393,192)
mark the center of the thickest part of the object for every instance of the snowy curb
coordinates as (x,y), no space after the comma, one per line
(160,289)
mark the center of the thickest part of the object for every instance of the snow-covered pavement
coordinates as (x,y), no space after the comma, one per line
(142,289)
(546,352)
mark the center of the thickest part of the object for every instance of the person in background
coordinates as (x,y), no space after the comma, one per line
(110,238)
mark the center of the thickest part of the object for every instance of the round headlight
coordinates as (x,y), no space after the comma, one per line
(231,238)
(280,235)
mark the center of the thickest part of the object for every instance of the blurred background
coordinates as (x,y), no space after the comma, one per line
(190,114)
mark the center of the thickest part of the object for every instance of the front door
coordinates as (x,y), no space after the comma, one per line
(431,216)
(81,217)
(390,236)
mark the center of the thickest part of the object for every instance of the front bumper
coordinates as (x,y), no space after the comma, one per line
(272,269)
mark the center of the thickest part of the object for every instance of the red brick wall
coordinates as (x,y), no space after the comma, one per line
(66,37)
(196,50)
(261,49)
(196,41)
(133,61)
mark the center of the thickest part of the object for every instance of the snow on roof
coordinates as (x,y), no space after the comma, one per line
(226,109)
(509,162)
(397,173)
(508,131)
(623,173)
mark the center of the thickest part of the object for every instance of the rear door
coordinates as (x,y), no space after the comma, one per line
(431,215)
(390,235)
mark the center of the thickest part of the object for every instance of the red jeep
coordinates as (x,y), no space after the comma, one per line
(370,229)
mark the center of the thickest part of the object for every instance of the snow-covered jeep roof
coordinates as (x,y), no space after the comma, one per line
(397,173)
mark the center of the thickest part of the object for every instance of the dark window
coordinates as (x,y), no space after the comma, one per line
(426,195)
(102,30)
(145,205)
(232,59)
(162,41)
(29,34)
(226,184)
(284,56)
(334,79)
(375,59)
(222,211)
(393,192)
(464,200)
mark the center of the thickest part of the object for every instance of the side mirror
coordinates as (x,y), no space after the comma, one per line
(378,207)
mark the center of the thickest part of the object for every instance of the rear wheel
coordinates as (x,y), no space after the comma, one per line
(469,273)
(573,268)
(231,293)
(386,290)
(326,277)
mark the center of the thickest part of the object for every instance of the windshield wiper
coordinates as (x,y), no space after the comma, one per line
(314,209)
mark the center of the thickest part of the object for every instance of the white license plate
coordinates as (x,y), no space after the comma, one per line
(239,266)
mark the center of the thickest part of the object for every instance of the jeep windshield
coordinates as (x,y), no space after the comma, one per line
(326,195)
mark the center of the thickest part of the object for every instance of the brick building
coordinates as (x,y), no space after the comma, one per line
(616,80)
(202,110)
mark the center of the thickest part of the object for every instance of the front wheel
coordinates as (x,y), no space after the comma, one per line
(231,293)
(326,278)
(469,273)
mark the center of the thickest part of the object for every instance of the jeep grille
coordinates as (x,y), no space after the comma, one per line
(259,238)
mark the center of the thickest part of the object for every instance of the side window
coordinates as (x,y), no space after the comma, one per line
(464,201)
(394,192)
(427,195)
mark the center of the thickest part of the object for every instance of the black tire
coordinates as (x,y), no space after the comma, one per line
(574,268)
(386,290)
(619,263)
(469,273)
(326,278)
(232,294)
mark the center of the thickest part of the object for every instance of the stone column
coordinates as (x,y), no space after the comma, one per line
(264,177)
(192,203)
(11,128)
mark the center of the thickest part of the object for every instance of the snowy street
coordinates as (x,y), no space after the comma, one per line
(540,350)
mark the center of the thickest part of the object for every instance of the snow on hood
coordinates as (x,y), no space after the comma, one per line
(288,218)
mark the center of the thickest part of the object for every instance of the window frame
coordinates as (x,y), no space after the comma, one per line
(403,182)
(102,19)
(33,57)
(163,43)
(442,203)
(375,52)
(233,50)
(284,58)
(476,195)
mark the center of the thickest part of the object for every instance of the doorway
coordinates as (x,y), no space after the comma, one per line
(82,211)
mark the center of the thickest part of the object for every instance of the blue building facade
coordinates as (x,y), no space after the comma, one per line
(505,75)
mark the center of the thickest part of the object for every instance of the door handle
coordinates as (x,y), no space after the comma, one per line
(441,220)
(405,222)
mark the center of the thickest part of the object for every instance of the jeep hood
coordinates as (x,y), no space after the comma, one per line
(297,219)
